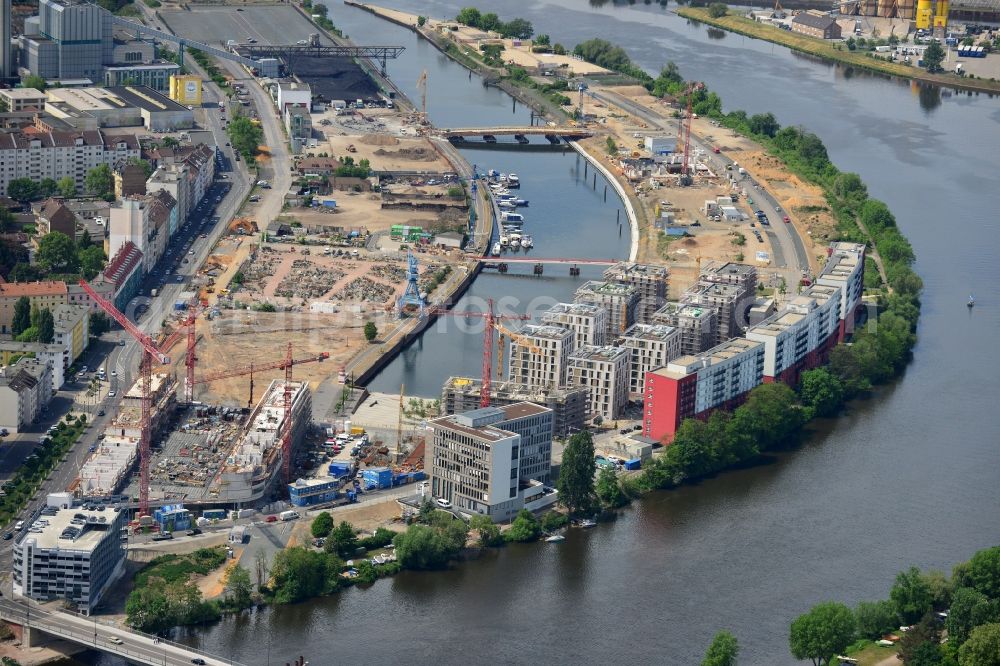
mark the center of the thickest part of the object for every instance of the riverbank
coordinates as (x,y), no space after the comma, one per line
(825,49)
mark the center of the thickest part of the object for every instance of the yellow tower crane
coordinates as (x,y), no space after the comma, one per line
(515,337)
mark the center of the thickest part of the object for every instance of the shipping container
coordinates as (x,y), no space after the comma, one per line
(377,477)
(215,514)
(634,463)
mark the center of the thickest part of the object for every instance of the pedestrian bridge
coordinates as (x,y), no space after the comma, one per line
(36,627)
(568,131)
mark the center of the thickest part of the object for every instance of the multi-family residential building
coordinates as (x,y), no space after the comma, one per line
(74,555)
(692,386)
(54,215)
(569,405)
(186,173)
(798,337)
(72,329)
(75,294)
(696,323)
(730,288)
(54,355)
(39,154)
(588,322)
(25,391)
(124,273)
(652,346)
(476,458)
(605,371)
(651,281)
(23,99)
(620,300)
(845,270)
(39,294)
(539,356)
(145,222)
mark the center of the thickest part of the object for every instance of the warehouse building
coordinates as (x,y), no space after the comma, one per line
(821,26)
(159,112)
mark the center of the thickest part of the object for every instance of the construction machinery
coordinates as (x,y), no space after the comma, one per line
(515,337)
(684,137)
(149,352)
(284,364)
(491,319)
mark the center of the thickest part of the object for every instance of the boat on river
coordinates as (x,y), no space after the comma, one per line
(507,216)
(972,302)
(587,522)
(527,242)
(513,181)
(555,538)
(496,250)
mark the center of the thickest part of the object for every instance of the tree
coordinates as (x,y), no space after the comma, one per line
(99,181)
(32,81)
(170,142)
(22,189)
(915,641)
(421,20)
(576,474)
(851,44)
(299,573)
(371,331)
(490,22)
(524,528)
(969,609)
(558,49)
(6,220)
(933,57)
(99,324)
(609,490)
(239,587)
(23,272)
(322,525)
(469,16)
(430,546)
(320,8)
(982,648)
(911,595)
(517,28)
(822,633)
(874,619)
(261,568)
(821,391)
(983,572)
(489,532)
(57,253)
(773,417)
(66,187)
(542,40)
(46,326)
(22,316)
(763,124)
(91,260)
(717,9)
(722,651)
(146,166)
(47,188)
(342,539)
(245,136)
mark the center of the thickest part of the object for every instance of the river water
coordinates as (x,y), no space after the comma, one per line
(908,477)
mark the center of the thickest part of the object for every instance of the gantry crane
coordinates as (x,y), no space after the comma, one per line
(492,320)
(286,365)
(149,352)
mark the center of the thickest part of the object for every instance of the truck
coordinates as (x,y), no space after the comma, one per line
(288,515)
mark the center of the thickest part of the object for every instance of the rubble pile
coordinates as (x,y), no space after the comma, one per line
(365,289)
(307,280)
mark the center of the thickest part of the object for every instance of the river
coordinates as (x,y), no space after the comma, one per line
(908,477)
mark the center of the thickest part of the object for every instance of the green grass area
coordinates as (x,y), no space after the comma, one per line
(172,568)
(663,242)
(826,49)
(32,474)
(869,654)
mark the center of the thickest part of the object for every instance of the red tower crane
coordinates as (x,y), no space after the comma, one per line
(285,364)
(685,129)
(492,322)
(149,352)
(187,325)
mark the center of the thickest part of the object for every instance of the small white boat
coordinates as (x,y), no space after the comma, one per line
(504,204)
(515,241)
(496,250)
(587,522)
(506,195)
(513,180)
(508,216)
(504,240)
(527,242)
(521,202)
(555,538)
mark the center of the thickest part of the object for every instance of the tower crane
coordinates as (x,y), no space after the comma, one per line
(187,326)
(149,352)
(258,367)
(514,337)
(491,323)
(684,136)
(422,84)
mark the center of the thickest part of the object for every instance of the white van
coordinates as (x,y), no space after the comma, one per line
(288,515)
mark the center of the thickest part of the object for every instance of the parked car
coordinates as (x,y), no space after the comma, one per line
(443,503)
(271,519)
(194,532)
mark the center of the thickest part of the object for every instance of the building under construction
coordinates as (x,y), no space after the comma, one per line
(212,456)
(568,405)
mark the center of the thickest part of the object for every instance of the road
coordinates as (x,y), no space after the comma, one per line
(785,240)
(136,647)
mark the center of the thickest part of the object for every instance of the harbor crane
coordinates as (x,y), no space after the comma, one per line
(149,352)
(492,322)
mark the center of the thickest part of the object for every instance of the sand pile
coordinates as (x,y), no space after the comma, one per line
(379,140)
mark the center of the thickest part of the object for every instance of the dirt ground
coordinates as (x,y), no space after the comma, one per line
(361,211)
(388,153)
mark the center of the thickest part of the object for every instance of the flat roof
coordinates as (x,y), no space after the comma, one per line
(547,331)
(654,332)
(146,99)
(520,410)
(595,353)
(608,288)
(22,93)
(488,432)
(686,365)
(93,530)
(582,309)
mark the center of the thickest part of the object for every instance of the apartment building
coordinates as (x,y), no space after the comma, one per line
(38,155)
(74,554)
(487,461)
(539,356)
(569,405)
(651,346)
(620,300)
(697,324)
(798,337)
(75,294)
(124,273)
(588,322)
(25,391)
(72,329)
(39,294)
(186,173)
(145,222)
(651,281)
(605,371)
(52,354)
(845,270)
(692,386)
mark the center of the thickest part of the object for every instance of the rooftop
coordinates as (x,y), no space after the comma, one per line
(606,288)
(628,268)
(580,309)
(146,99)
(545,331)
(458,423)
(653,332)
(22,93)
(595,353)
(686,365)
(74,529)
(728,268)
(32,289)
(520,410)
(685,310)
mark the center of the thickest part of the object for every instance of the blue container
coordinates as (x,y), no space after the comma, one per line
(339,468)
(418,476)
(215,514)
(377,477)
(634,463)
